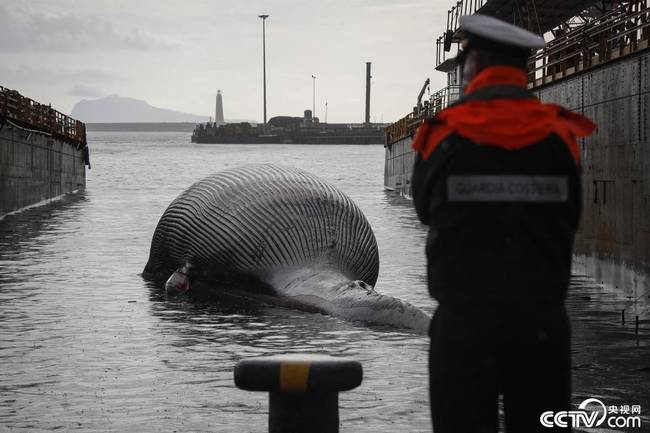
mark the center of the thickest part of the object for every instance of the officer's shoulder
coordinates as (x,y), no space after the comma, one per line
(444,149)
(452,141)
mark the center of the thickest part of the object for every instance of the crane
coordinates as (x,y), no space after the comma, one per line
(424,88)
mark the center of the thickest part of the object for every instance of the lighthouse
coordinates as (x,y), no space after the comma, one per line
(218,115)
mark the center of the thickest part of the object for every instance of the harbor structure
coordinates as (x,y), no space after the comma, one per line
(264,17)
(43,153)
(313,103)
(368,77)
(597,63)
(290,130)
(218,114)
(297,130)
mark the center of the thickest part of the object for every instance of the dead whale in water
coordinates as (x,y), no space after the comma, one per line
(302,240)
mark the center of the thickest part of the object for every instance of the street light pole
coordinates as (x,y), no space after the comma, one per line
(313,102)
(325,111)
(264,17)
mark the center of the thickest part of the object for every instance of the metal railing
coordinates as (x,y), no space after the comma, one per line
(30,114)
(618,33)
(462,8)
(602,37)
(407,125)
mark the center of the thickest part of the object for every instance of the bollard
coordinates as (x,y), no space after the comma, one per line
(303,389)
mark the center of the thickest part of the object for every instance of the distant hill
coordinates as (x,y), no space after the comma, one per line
(116,109)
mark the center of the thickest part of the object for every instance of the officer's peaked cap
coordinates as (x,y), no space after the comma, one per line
(484,30)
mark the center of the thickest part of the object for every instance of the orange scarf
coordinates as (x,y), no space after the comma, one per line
(505,123)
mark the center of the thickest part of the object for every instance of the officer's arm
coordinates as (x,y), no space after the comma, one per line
(421,188)
(427,184)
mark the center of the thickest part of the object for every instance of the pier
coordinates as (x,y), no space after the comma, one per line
(43,153)
(290,130)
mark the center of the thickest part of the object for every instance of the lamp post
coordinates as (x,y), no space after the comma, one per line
(325,111)
(264,17)
(313,102)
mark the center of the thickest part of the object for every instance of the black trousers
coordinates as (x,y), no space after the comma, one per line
(479,353)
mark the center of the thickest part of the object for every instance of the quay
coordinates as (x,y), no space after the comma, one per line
(43,153)
(597,64)
(290,130)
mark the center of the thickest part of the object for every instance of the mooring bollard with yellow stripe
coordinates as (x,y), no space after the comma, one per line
(303,389)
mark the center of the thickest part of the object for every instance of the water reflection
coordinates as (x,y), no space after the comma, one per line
(87,345)
(220,332)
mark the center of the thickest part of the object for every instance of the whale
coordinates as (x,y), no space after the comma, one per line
(285,236)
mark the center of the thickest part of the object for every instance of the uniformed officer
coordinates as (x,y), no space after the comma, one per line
(497,179)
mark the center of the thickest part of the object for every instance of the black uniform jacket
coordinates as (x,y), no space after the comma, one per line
(502,222)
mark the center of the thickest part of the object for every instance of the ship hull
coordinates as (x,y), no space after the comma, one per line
(615,224)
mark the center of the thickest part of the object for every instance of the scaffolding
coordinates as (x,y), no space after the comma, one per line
(406,126)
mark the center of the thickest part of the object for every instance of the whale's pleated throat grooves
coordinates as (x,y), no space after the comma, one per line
(259,219)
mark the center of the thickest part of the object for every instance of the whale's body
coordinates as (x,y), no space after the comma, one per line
(294,234)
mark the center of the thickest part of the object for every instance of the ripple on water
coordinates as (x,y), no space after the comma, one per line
(88,346)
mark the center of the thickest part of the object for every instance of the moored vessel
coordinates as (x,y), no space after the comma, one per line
(596,62)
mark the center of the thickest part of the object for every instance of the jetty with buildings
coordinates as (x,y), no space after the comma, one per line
(43,153)
(291,130)
(598,64)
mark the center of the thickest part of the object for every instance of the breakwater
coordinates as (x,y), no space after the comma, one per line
(290,130)
(43,153)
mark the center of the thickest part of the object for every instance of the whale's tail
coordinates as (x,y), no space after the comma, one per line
(326,289)
(360,302)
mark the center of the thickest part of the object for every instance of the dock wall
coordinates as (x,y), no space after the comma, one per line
(616,160)
(35,168)
(398,167)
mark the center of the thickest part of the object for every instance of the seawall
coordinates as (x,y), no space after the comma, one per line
(616,160)
(36,167)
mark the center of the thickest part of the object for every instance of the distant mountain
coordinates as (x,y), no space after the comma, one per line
(116,109)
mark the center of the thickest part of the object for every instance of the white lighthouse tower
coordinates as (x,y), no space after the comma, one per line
(218,115)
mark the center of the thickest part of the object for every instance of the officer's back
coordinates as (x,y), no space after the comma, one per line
(497,179)
(503,218)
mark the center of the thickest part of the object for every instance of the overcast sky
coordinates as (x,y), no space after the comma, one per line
(176,54)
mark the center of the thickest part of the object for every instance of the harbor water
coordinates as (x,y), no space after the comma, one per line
(87,345)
